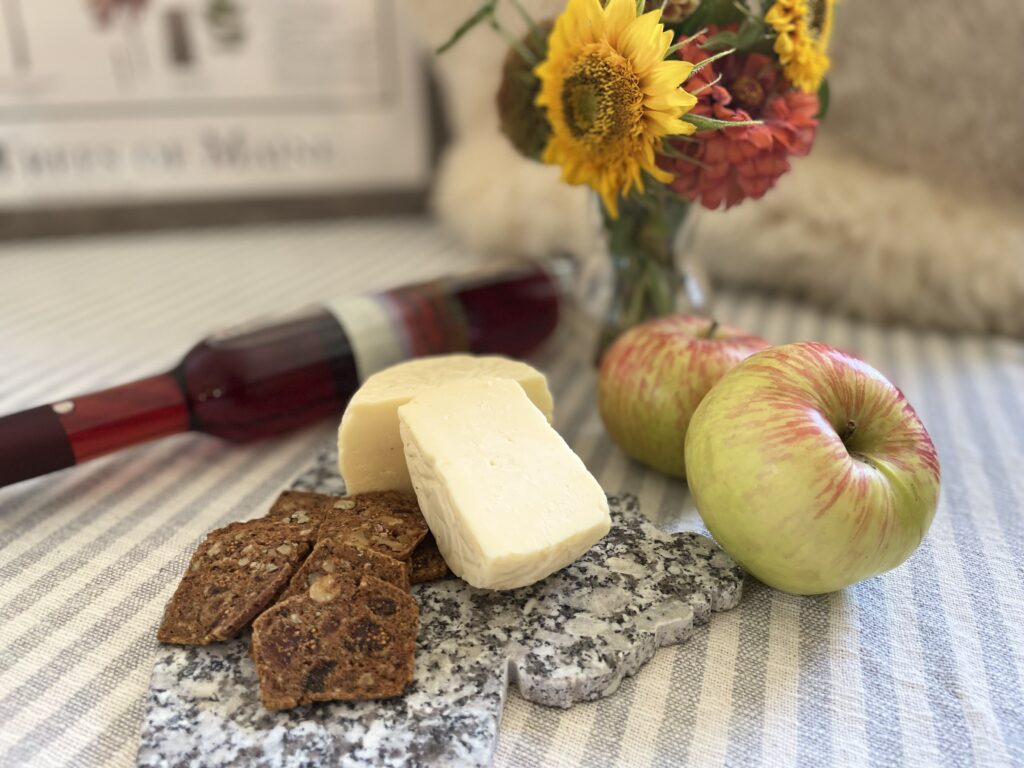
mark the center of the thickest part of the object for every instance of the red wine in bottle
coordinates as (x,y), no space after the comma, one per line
(266,378)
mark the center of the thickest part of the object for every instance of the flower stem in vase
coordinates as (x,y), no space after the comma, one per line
(648,274)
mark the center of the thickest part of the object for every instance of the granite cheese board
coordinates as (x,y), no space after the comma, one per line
(572,637)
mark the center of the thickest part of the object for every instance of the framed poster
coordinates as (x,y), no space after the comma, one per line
(177,105)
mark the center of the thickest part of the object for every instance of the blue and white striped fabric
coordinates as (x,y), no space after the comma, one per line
(922,666)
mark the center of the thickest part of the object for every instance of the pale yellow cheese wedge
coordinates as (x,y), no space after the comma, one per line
(370,455)
(504,495)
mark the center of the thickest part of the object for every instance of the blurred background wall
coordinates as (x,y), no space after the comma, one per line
(910,208)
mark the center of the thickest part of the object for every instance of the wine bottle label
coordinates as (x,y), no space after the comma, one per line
(386,328)
(376,342)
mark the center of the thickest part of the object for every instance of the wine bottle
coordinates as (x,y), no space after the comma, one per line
(267,377)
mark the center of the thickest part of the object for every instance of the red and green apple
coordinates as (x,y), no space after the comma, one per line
(811,469)
(654,376)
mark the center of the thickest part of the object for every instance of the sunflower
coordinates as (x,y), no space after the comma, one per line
(803,29)
(611,97)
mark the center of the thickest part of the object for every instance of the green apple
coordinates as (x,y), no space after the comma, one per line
(654,376)
(811,469)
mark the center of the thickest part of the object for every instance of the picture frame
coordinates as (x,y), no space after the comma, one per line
(147,114)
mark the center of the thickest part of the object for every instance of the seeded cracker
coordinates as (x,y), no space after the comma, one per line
(302,507)
(335,556)
(426,562)
(235,573)
(341,641)
(387,521)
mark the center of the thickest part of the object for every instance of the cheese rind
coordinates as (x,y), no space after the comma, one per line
(506,498)
(370,455)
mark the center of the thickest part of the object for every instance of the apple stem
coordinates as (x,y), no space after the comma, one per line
(711,329)
(851,427)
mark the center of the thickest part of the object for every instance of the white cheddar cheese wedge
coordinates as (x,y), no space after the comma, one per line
(370,455)
(506,498)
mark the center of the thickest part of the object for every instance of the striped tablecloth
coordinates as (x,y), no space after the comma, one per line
(922,666)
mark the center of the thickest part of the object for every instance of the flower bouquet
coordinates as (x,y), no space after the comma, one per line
(659,105)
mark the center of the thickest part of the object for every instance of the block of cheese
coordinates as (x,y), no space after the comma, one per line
(370,455)
(505,497)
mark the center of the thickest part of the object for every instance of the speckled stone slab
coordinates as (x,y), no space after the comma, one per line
(572,637)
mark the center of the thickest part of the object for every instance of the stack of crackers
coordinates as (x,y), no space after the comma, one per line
(324,582)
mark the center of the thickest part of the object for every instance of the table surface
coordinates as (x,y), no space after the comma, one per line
(921,666)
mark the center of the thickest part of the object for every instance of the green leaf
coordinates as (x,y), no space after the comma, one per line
(695,21)
(711,59)
(692,161)
(711,124)
(824,97)
(722,12)
(721,41)
(537,35)
(669,151)
(515,43)
(484,12)
(764,45)
(751,32)
(683,42)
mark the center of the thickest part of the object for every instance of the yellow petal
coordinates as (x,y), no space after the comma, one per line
(617,15)
(641,43)
(676,102)
(611,202)
(665,124)
(660,174)
(667,74)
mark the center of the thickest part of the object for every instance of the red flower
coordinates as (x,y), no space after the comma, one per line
(730,165)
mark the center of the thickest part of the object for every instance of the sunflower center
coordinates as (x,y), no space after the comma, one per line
(748,93)
(815,16)
(602,100)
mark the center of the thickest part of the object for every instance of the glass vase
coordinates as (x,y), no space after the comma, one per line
(652,268)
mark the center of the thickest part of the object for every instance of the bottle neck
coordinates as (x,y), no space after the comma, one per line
(59,435)
(111,419)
